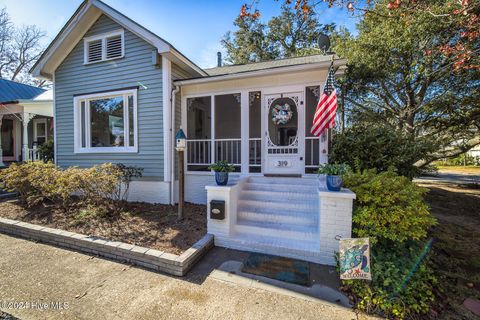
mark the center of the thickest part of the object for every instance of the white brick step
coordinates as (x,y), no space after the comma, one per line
(280,216)
(305,250)
(284,180)
(280,230)
(281,187)
(282,196)
(291,205)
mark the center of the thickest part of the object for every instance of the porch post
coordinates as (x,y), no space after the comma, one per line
(324,147)
(1,150)
(244,131)
(26,117)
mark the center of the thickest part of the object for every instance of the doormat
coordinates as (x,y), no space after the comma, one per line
(278,268)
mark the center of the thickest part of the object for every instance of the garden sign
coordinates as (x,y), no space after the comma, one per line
(354,259)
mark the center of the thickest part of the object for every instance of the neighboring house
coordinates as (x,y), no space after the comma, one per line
(121,92)
(26,120)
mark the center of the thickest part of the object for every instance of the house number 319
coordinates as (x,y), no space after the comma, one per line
(282,163)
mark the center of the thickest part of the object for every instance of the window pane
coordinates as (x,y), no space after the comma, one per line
(83,123)
(255,114)
(131,129)
(41,129)
(199,118)
(107,123)
(311,99)
(227,116)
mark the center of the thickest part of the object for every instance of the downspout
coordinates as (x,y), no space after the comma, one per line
(175,90)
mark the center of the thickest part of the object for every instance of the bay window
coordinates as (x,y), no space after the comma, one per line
(106,122)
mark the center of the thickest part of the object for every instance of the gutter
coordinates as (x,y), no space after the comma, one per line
(175,90)
(265,72)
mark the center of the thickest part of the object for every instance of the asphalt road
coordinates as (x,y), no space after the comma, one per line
(62,284)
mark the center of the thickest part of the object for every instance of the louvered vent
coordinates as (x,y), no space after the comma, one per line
(95,50)
(114,47)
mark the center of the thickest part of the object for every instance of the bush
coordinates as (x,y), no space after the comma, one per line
(45,150)
(379,148)
(390,210)
(389,293)
(389,207)
(99,185)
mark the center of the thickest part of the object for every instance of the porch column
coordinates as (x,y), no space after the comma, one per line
(26,118)
(1,150)
(244,131)
(324,147)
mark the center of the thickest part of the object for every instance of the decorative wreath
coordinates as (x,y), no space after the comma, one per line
(281,114)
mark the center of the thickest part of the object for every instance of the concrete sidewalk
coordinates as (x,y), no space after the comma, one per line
(94,288)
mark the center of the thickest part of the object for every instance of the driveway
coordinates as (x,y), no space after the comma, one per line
(86,287)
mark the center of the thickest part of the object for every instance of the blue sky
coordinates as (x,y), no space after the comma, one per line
(194,27)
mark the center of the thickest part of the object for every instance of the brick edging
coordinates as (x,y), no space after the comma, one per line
(177,265)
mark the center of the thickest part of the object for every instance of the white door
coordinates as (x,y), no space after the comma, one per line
(284,132)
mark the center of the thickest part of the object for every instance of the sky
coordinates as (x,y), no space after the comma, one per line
(194,27)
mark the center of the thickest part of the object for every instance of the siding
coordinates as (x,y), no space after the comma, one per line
(73,78)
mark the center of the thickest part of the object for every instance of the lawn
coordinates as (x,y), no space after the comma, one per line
(456,250)
(146,225)
(459,169)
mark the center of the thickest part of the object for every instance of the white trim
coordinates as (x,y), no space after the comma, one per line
(167,113)
(77,125)
(35,133)
(54,119)
(265,72)
(103,37)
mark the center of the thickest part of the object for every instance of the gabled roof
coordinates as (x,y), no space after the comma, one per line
(11,91)
(237,68)
(81,21)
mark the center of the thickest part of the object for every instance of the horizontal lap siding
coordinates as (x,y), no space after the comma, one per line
(74,78)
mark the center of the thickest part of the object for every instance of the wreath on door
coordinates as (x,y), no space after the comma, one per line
(281,114)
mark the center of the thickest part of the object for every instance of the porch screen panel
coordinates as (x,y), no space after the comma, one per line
(199,133)
(255,131)
(8,146)
(312,152)
(228,129)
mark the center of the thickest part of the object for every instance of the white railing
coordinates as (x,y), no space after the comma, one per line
(33,155)
(255,151)
(312,153)
(199,152)
(229,150)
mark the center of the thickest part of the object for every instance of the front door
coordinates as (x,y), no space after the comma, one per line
(8,139)
(284,133)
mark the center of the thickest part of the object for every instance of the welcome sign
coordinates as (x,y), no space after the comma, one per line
(354,258)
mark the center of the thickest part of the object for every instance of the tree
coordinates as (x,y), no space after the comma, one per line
(463,16)
(293,33)
(20,47)
(399,75)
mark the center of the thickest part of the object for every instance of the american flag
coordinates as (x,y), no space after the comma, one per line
(327,106)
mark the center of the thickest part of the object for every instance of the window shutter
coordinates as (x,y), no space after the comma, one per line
(114,47)
(95,50)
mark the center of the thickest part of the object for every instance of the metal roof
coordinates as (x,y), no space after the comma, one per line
(238,68)
(13,91)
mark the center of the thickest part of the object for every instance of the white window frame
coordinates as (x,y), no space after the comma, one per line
(35,129)
(103,37)
(78,126)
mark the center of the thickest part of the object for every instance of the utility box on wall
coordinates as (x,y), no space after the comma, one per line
(217,209)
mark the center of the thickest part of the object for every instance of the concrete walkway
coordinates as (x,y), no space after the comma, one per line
(94,288)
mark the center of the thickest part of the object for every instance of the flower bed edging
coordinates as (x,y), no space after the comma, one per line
(157,260)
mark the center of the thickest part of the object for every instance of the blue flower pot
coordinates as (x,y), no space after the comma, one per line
(221,178)
(334,183)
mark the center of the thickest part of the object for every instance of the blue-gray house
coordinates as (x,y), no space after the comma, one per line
(121,92)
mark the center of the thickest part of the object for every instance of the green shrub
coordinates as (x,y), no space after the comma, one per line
(45,150)
(389,293)
(388,207)
(334,169)
(367,147)
(38,181)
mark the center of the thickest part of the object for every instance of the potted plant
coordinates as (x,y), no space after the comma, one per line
(221,168)
(334,173)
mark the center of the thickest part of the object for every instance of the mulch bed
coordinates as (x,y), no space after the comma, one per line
(147,225)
